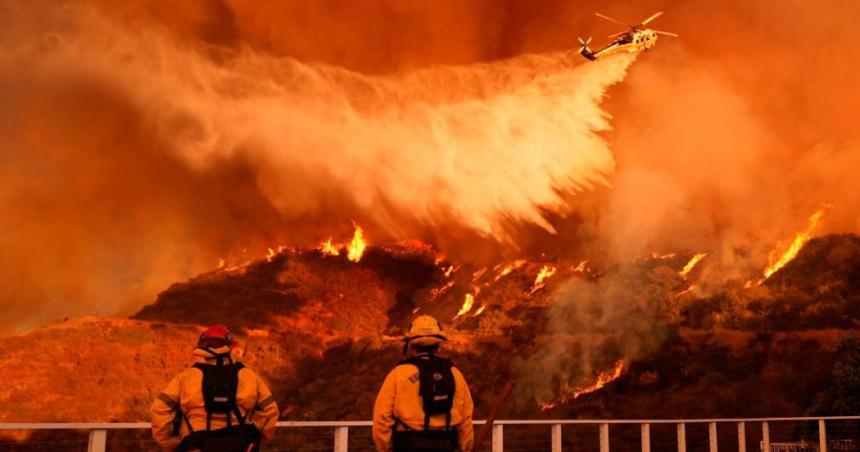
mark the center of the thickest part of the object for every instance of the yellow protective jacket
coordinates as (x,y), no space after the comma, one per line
(399,398)
(185,391)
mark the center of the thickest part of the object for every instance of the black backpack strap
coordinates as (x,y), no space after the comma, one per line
(236,410)
(397,422)
(187,422)
(229,407)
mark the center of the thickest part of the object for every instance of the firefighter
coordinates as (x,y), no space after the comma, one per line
(215,405)
(424,403)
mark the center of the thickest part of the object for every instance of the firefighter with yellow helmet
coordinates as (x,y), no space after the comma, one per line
(424,404)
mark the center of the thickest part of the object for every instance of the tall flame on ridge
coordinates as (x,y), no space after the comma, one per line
(545,273)
(796,245)
(692,263)
(467,305)
(355,247)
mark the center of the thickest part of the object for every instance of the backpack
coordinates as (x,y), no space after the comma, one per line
(437,386)
(220,383)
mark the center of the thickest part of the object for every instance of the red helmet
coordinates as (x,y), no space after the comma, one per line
(216,336)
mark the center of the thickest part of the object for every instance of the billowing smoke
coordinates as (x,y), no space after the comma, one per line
(134,152)
(141,141)
(593,326)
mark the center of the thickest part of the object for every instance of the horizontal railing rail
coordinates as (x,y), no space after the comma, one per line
(98,431)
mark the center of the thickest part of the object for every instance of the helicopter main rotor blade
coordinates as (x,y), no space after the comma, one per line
(665,33)
(610,19)
(615,35)
(654,16)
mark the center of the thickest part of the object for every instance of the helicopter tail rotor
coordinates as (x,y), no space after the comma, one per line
(583,48)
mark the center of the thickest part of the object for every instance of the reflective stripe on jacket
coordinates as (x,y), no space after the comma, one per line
(185,391)
(399,398)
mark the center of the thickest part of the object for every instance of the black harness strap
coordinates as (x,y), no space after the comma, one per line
(213,388)
(187,423)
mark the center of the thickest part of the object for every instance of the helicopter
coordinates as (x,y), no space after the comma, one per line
(636,38)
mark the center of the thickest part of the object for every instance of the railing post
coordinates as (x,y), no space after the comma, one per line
(765,437)
(646,437)
(822,436)
(498,438)
(712,436)
(604,437)
(742,437)
(341,438)
(556,437)
(682,437)
(98,441)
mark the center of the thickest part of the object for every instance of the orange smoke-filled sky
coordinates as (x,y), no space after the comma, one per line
(724,140)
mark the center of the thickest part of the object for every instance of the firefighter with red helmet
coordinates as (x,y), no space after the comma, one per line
(424,404)
(217,404)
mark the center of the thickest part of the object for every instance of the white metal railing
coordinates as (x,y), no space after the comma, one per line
(98,431)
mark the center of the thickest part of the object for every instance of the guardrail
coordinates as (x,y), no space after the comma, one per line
(98,431)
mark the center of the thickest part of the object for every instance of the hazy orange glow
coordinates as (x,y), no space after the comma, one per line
(692,263)
(603,379)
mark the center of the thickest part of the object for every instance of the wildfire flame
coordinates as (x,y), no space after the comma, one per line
(437,291)
(656,255)
(686,291)
(467,305)
(508,268)
(480,310)
(355,247)
(603,379)
(545,273)
(799,240)
(328,249)
(692,264)
(582,267)
(451,269)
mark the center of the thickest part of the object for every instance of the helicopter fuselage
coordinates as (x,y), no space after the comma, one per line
(632,41)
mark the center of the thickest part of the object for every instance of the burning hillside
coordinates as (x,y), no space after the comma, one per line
(310,320)
(142,143)
(622,237)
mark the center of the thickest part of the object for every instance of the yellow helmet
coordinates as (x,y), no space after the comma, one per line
(425,330)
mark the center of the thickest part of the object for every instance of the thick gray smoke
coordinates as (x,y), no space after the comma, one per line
(593,326)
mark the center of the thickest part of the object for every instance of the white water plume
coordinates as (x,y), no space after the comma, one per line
(478,145)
